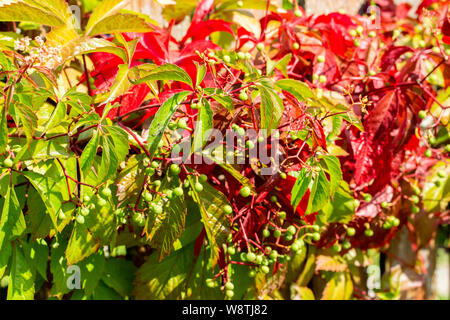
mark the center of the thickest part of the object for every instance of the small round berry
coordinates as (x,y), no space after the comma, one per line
(147,196)
(282,215)
(175,169)
(86,199)
(441,174)
(415,209)
(229,286)
(288,237)
(182,124)
(298,13)
(322,79)
(157,183)
(251,257)
(356,43)
(395,222)
(245,192)
(415,199)
(283,175)
(273,199)
(316,236)
(198,187)
(8,163)
(229,293)
(231,251)
(367,197)
(101,202)
(422,114)
(372,34)
(241,55)
(157,209)
(210,283)
(226,58)
(273,255)
(85,211)
(321,59)
(243,96)
(428,153)
(228,209)
(291,230)
(316,228)
(149,171)
(351,232)
(346,245)
(337,247)
(80,219)
(368,232)
(265,269)
(277,233)
(295,46)
(178,191)
(352,33)
(359,29)
(384,204)
(266,233)
(250,144)
(252,273)
(260,46)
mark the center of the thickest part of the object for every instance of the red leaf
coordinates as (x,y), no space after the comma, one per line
(203,8)
(202,29)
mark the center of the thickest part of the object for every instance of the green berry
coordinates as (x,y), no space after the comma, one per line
(351,232)
(395,222)
(437,183)
(243,256)
(229,293)
(231,251)
(387,225)
(157,209)
(198,187)
(260,46)
(316,236)
(291,230)
(368,232)
(195,106)
(149,171)
(315,77)
(8,163)
(210,283)
(356,43)
(372,34)
(298,13)
(273,255)
(241,55)
(226,58)
(85,211)
(282,215)
(245,192)
(228,209)
(283,175)
(428,153)
(265,269)
(101,202)
(321,59)
(384,205)
(346,245)
(422,114)
(243,96)
(337,247)
(175,169)
(273,199)
(277,233)
(229,286)
(250,145)
(359,29)
(367,197)
(288,237)
(203,178)
(295,46)
(252,273)
(86,199)
(182,124)
(415,199)
(147,196)
(266,233)
(415,209)
(251,257)
(316,228)
(157,183)
(352,33)
(441,174)
(322,79)
(80,219)
(178,191)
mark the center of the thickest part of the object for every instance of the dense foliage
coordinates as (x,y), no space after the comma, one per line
(97,113)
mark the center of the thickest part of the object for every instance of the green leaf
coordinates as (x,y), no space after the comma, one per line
(5,254)
(342,208)
(220,97)
(171,224)
(333,167)
(120,86)
(339,287)
(162,119)
(28,119)
(21,278)
(130,47)
(57,116)
(58,268)
(151,72)
(92,271)
(12,224)
(31,11)
(89,152)
(300,187)
(109,163)
(118,274)
(217,226)
(320,192)
(203,125)
(49,191)
(271,106)
(201,72)
(120,22)
(37,253)
(81,244)
(298,89)
(279,64)
(164,280)
(3,129)
(437,196)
